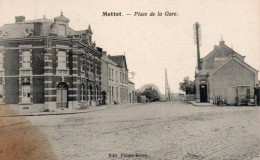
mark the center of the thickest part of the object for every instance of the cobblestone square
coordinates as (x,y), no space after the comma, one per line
(163,130)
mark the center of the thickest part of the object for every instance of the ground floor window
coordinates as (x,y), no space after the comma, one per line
(117,93)
(82,97)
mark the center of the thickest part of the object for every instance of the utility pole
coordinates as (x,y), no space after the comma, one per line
(166,86)
(197,41)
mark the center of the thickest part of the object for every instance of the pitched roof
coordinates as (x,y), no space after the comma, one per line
(223,49)
(235,58)
(42,20)
(120,60)
(108,60)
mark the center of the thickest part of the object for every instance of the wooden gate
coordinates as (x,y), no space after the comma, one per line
(62,95)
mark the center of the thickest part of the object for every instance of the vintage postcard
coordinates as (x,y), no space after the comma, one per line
(129,79)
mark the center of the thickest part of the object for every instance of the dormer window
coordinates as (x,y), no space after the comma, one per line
(61,30)
(83,37)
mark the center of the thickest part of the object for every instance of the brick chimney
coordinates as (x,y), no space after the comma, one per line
(100,49)
(19,19)
(222,42)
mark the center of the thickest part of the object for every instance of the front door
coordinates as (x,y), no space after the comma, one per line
(26,93)
(62,95)
(203,93)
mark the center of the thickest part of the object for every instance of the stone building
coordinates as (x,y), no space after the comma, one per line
(224,75)
(45,61)
(116,84)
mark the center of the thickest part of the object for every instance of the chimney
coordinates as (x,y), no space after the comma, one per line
(215,46)
(99,49)
(105,53)
(222,42)
(19,19)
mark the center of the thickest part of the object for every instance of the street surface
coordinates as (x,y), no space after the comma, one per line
(157,131)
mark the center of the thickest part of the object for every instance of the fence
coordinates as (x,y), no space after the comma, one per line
(183,97)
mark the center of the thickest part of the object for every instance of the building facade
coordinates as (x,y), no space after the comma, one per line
(225,76)
(116,83)
(45,61)
(131,92)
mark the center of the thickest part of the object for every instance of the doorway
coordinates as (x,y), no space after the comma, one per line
(203,93)
(62,95)
(26,93)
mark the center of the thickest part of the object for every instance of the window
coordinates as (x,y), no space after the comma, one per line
(117,93)
(61,30)
(112,93)
(82,65)
(97,70)
(112,75)
(109,74)
(61,60)
(82,92)
(1,59)
(26,59)
(116,76)
(220,58)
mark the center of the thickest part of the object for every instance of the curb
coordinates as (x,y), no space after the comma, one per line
(199,104)
(51,114)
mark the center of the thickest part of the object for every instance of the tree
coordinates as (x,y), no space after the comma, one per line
(152,94)
(188,86)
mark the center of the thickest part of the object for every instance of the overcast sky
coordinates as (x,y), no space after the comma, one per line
(152,44)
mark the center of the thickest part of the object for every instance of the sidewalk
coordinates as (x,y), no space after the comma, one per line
(194,103)
(57,112)
(18,112)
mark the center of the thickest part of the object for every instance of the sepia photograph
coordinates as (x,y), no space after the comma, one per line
(129,80)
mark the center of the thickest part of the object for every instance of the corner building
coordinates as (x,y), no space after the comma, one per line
(46,62)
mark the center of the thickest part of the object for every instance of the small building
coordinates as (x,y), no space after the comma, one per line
(225,76)
(46,62)
(131,92)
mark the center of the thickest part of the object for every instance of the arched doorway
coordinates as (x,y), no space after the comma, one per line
(62,95)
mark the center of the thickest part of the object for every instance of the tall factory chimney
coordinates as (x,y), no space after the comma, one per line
(197,41)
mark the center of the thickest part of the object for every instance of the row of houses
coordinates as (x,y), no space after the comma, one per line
(44,61)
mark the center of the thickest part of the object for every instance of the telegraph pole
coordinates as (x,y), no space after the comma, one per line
(166,86)
(197,41)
